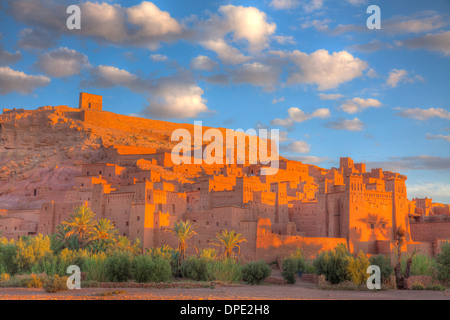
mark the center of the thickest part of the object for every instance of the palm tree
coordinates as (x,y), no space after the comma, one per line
(81,223)
(183,231)
(103,234)
(104,230)
(229,240)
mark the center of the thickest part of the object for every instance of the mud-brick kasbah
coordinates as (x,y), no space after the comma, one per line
(54,159)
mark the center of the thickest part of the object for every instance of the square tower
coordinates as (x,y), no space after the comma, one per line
(90,101)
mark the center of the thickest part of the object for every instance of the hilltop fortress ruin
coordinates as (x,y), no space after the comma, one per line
(56,158)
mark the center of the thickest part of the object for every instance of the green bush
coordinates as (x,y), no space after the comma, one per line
(443,263)
(31,250)
(418,286)
(290,269)
(118,267)
(333,264)
(225,270)
(8,253)
(55,283)
(148,269)
(94,267)
(435,287)
(194,268)
(357,268)
(255,272)
(422,265)
(4,277)
(33,281)
(384,263)
(168,253)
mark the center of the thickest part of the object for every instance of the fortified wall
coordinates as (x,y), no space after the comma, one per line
(300,206)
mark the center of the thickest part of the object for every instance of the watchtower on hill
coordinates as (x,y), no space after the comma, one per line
(90,101)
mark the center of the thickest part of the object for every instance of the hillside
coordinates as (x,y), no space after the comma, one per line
(42,150)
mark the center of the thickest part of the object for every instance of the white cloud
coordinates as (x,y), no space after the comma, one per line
(250,24)
(176,97)
(438,136)
(204,63)
(153,23)
(7,58)
(17,81)
(108,76)
(284,4)
(284,39)
(143,25)
(356,2)
(256,74)
(36,38)
(424,189)
(397,76)
(298,115)
(235,25)
(320,25)
(346,124)
(296,147)
(435,42)
(358,104)
(420,24)
(326,70)
(159,57)
(62,62)
(420,162)
(330,96)
(424,114)
(310,159)
(286,122)
(371,46)
(307,5)
(277,100)
(225,52)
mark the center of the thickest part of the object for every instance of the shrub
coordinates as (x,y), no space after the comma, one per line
(94,266)
(33,282)
(31,250)
(55,283)
(333,264)
(255,272)
(4,277)
(290,269)
(225,270)
(309,268)
(443,263)
(117,267)
(8,253)
(148,269)
(168,253)
(384,263)
(435,287)
(418,286)
(357,268)
(422,265)
(208,254)
(194,268)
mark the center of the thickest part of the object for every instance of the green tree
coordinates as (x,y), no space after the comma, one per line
(103,234)
(183,231)
(81,224)
(229,240)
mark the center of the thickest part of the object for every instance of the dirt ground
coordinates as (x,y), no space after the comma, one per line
(299,291)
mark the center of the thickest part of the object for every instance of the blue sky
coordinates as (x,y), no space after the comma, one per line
(310,68)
